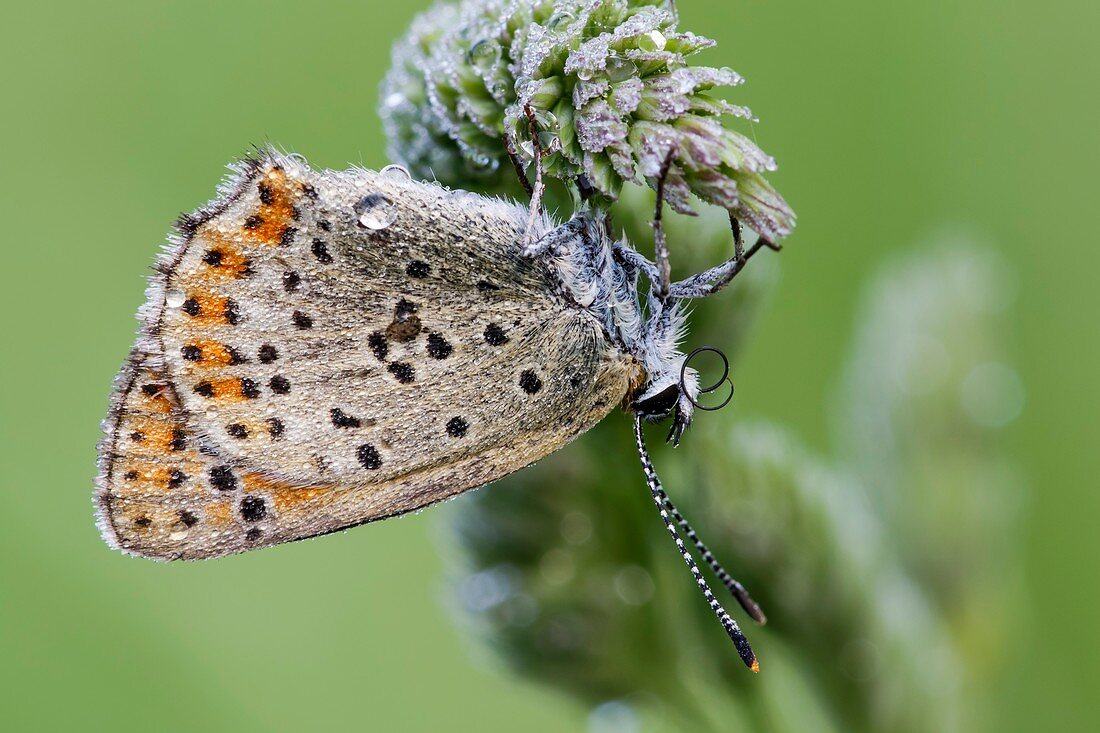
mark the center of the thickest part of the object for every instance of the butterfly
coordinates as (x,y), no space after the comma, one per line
(322,349)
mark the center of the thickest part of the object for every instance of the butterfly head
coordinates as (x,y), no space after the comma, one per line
(674,392)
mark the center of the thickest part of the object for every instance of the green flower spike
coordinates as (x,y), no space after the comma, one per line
(611,90)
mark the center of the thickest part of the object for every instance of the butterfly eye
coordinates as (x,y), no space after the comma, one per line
(660,404)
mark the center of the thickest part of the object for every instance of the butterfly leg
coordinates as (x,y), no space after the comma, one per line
(636,261)
(715,279)
(660,245)
(539,186)
(517,164)
(738,241)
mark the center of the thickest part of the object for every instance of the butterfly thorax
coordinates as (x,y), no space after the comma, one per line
(595,273)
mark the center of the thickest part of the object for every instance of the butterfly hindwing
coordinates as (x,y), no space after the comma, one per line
(162,493)
(375,342)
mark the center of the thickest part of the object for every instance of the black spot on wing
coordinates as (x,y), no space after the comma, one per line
(343,420)
(378,346)
(418,269)
(529,381)
(267,354)
(457,426)
(369,457)
(438,347)
(253,508)
(402,371)
(494,335)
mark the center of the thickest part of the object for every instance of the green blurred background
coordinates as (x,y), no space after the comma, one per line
(890,121)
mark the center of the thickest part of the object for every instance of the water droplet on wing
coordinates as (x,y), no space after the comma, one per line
(376,212)
(396,172)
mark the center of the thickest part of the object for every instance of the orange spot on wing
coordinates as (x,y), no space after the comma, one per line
(230,263)
(289,498)
(219,513)
(257,482)
(214,353)
(285,496)
(139,477)
(149,435)
(271,220)
(226,389)
(208,309)
(159,401)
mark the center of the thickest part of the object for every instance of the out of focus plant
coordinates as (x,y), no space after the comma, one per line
(875,565)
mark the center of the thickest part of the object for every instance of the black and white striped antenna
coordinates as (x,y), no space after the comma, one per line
(671,518)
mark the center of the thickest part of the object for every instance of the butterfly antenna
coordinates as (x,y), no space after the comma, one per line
(660,498)
(752,608)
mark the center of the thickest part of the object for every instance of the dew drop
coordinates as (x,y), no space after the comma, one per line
(484,54)
(174,298)
(652,41)
(396,172)
(483,163)
(560,20)
(527,148)
(394,99)
(619,69)
(585,74)
(376,212)
(179,534)
(547,120)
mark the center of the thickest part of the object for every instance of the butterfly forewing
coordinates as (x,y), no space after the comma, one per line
(378,343)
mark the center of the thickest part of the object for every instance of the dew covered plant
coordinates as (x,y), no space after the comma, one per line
(612,91)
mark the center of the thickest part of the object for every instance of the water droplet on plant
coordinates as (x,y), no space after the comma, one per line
(483,163)
(559,20)
(619,69)
(394,100)
(652,41)
(396,172)
(376,212)
(484,54)
(585,74)
(174,298)
(547,120)
(527,148)
(179,534)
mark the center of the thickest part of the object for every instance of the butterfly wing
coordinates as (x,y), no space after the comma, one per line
(369,343)
(162,493)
